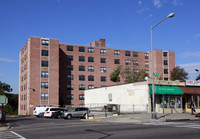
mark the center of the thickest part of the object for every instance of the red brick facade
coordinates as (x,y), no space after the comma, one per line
(73,68)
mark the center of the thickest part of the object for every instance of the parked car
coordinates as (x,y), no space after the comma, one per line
(39,111)
(48,111)
(79,112)
(58,114)
(197,115)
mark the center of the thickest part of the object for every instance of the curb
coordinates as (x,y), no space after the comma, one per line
(172,120)
(5,128)
(90,120)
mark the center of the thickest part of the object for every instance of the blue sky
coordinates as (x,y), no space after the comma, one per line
(125,24)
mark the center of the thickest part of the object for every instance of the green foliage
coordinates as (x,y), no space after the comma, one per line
(179,73)
(4,88)
(115,74)
(12,106)
(131,78)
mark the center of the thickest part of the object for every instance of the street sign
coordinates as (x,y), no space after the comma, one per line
(3,100)
(156,74)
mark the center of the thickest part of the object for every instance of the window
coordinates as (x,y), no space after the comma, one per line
(103,69)
(165,71)
(127,53)
(69,48)
(110,97)
(44,96)
(81,87)
(103,51)
(44,85)
(90,86)
(135,71)
(45,53)
(117,61)
(69,58)
(81,97)
(69,67)
(81,77)
(146,64)
(147,72)
(117,52)
(128,71)
(44,74)
(146,56)
(81,58)
(135,54)
(81,68)
(165,62)
(135,63)
(82,49)
(103,60)
(166,79)
(128,62)
(90,50)
(44,63)
(45,42)
(90,69)
(90,78)
(103,78)
(118,79)
(70,87)
(70,97)
(70,77)
(90,59)
(165,54)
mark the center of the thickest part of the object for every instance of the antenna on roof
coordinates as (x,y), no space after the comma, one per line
(198,77)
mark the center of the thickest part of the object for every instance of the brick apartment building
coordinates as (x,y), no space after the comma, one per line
(56,74)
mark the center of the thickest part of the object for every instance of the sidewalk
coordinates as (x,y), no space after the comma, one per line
(146,117)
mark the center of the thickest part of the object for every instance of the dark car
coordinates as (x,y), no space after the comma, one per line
(197,115)
(58,114)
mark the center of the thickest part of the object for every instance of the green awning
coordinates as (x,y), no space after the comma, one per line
(168,90)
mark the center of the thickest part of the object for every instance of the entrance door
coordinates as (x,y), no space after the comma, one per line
(183,104)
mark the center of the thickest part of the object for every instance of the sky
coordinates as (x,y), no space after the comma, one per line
(125,24)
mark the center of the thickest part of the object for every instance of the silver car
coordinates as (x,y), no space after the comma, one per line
(79,112)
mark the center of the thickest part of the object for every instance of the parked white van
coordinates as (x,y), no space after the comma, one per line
(39,110)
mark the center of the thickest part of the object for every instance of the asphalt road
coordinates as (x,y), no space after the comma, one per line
(46,128)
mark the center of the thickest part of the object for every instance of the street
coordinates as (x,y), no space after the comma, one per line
(40,128)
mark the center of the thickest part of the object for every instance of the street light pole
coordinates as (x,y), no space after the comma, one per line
(154,115)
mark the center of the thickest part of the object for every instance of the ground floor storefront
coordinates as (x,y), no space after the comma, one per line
(191,95)
(168,99)
(175,99)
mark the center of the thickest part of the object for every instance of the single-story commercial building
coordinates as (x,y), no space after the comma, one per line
(170,96)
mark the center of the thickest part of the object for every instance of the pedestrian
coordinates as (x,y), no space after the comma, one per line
(192,107)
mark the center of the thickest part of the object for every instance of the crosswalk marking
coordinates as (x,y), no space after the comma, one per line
(10,135)
(174,124)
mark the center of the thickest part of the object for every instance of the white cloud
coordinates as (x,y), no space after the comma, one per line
(157,3)
(142,10)
(140,2)
(190,68)
(197,36)
(191,54)
(177,2)
(7,60)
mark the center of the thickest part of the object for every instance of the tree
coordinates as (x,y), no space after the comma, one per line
(130,77)
(179,73)
(115,74)
(4,88)
(136,77)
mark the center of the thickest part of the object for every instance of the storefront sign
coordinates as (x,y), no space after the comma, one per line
(168,90)
(192,83)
